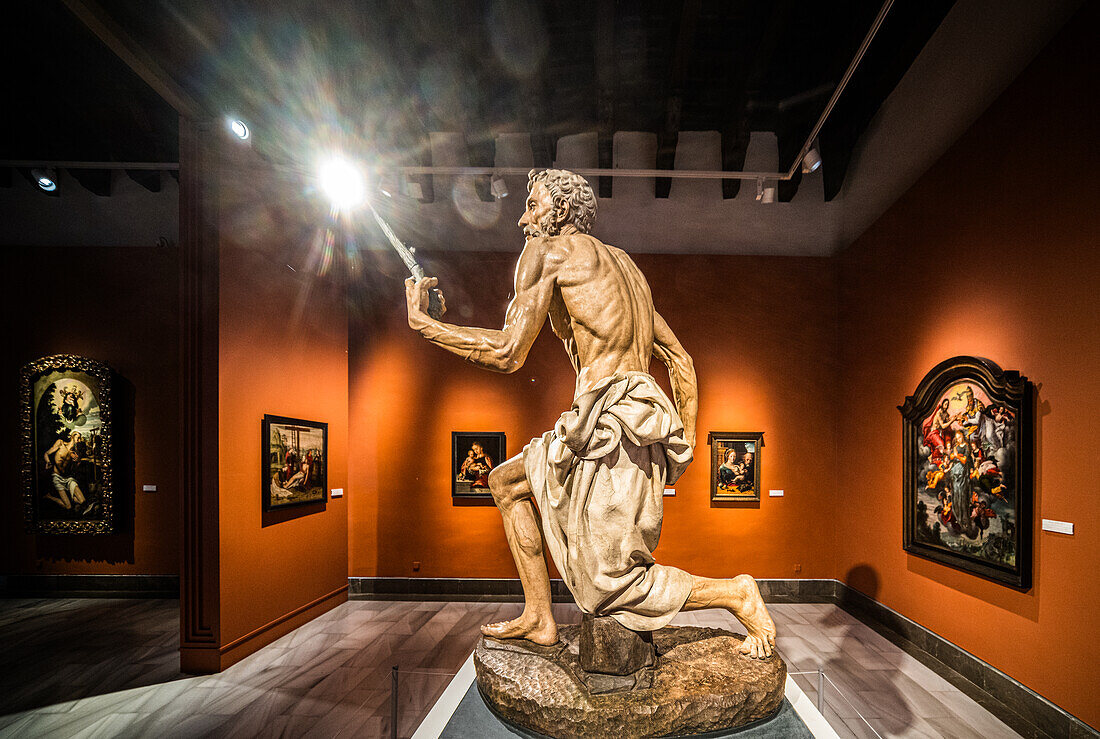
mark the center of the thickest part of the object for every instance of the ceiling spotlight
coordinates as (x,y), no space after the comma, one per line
(414,189)
(498,187)
(239,129)
(45,179)
(812,161)
(764,194)
(342,182)
(388,185)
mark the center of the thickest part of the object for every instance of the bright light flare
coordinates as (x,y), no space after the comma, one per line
(342,183)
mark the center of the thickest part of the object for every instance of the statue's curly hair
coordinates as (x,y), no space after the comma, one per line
(567,187)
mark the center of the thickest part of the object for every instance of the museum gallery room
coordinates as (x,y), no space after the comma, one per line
(497,368)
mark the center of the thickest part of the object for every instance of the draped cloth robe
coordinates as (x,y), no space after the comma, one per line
(599,479)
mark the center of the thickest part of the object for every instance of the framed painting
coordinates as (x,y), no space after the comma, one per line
(473,457)
(966,492)
(67,460)
(294,462)
(735,465)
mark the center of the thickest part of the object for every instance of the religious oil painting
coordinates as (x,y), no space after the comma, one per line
(473,457)
(967,470)
(67,461)
(294,470)
(735,465)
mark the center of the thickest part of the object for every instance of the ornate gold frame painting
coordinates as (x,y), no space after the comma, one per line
(967,470)
(735,465)
(67,461)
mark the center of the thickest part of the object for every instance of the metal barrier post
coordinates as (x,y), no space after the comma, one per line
(820,691)
(393,702)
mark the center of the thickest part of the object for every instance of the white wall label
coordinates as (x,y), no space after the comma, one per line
(775,493)
(337,492)
(148,488)
(1058,527)
(670,491)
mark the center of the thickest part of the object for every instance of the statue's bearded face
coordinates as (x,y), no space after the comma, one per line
(540,218)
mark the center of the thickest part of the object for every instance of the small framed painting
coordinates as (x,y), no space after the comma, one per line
(473,457)
(966,467)
(294,462)
(735,465)
(67,458)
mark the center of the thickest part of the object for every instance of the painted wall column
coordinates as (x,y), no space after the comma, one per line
(198,255)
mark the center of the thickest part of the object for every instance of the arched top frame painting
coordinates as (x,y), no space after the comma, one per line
(967,451)
(68,467)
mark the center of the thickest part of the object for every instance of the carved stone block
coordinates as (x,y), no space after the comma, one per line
(609,648)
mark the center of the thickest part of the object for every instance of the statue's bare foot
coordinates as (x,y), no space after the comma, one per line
(754,615)
(539,629)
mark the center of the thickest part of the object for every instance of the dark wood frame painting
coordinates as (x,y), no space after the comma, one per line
(966,467)
(68,462)
(470,474)
(737,483)
(290,472)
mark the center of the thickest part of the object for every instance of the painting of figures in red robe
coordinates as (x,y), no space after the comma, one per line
(735,465)
(963,489)
(473,457)
(295,459)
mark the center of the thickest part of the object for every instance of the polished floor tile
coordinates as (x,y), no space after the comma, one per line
(110,668)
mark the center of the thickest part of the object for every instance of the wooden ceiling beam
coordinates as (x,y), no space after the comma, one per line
(606,75)
(681,57)
(133,55)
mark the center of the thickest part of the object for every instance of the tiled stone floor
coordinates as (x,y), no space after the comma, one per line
(110,668)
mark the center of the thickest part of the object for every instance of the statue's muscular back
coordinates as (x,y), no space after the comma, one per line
(601,307)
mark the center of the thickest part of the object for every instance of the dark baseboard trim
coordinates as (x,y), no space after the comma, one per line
(447,588)
(798,591)
(1021,708)
(89,586)
(505,589)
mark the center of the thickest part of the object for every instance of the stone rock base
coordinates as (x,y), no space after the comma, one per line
(700,683)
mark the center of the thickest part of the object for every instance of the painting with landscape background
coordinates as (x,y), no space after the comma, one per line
(295,460)
(735,465)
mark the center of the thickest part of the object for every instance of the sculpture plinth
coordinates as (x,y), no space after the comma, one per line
(700,683)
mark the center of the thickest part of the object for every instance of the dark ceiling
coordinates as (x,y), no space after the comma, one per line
(381,75)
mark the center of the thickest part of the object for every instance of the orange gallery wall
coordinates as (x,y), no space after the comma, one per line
(762,332)
(283,351)
(117,306)
(992,253)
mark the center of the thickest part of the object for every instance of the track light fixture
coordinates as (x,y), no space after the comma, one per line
(764,194)
(45,178)
(388,185)
(812,161)
(498,187)
(414,189)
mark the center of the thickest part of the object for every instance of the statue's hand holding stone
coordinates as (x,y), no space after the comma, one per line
(423,298)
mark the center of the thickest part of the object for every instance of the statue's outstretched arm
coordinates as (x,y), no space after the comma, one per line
(503,350)
(681,372)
